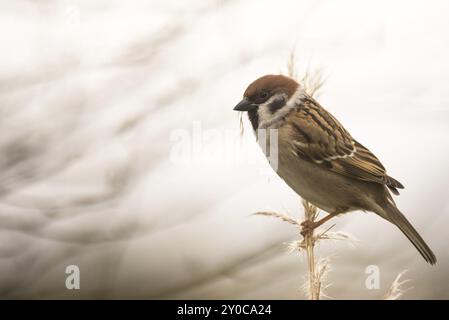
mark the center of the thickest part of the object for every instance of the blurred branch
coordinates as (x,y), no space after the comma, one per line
(228,270)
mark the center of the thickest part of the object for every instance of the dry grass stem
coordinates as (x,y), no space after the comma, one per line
(242,128)
(322,270)
(338,235)
(281,216)
(291,65)
(313,82)
(307,244)
(310,214)
(396,291)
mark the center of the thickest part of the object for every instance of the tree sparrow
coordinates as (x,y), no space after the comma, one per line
(320,160)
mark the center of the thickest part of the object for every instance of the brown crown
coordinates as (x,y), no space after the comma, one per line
(272,83)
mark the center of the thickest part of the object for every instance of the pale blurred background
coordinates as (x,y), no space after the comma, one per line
(120,152)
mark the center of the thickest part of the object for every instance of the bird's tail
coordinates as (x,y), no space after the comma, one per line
(397,218)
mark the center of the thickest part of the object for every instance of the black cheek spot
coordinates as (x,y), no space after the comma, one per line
(276,104)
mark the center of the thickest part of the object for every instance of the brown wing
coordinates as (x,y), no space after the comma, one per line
(318,137)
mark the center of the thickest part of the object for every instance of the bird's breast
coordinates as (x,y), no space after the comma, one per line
(312,182)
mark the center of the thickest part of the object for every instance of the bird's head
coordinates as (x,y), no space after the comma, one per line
(266,96)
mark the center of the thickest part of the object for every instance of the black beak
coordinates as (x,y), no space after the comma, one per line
(245,105)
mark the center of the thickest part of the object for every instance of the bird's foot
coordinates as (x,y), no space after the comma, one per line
(307,227)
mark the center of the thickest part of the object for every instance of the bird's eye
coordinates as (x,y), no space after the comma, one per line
(263,94)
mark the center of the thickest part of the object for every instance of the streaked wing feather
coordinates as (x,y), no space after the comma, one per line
(318,137)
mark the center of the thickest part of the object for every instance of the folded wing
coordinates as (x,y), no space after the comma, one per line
(318,137)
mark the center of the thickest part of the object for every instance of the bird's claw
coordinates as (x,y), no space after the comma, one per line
(307,227)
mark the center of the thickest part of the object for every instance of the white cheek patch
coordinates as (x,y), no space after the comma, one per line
(264,112)
(273,120)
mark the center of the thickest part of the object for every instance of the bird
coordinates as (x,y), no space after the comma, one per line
(319,159)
